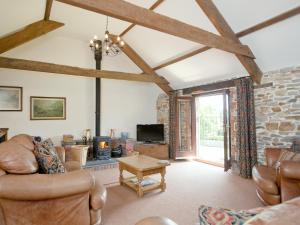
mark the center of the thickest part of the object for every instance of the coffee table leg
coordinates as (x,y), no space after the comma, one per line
(162,182)
(140,189)
(121,174)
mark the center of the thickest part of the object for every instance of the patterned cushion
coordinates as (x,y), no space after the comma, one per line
(47,158)
(218,216)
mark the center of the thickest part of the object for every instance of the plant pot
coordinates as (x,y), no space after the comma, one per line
(79,153)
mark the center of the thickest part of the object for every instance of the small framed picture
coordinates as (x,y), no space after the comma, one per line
(11,98)
(47,108)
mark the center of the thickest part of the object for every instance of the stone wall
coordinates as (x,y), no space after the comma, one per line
(277,108)
(163,109)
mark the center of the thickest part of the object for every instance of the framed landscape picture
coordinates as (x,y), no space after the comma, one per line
(10,98)
(47,108)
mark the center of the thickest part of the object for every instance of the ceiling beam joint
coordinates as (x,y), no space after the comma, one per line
(134,14)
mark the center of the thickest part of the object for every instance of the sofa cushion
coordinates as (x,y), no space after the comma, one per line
(209,215)
(47,158)
(16,159)
(289,189)
(156,220)
(285,213)
(24,140)
(265,179)
(287,155)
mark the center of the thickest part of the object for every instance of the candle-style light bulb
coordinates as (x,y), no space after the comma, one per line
(97,46)
(91,42)
(95,37)
(122,43)
(118,39)
(106,35)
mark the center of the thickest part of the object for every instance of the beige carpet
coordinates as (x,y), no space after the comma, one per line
(189,184)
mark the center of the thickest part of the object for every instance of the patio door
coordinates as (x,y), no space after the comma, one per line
(185,147)
(213,128)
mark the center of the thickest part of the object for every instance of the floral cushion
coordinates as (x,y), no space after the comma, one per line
(218,216)
(47,158)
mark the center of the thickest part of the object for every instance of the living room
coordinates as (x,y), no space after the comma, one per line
(144,71)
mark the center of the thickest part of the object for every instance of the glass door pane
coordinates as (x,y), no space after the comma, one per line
(210,128)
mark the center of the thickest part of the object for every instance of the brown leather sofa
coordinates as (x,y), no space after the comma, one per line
(27,198)
(156,220)
(276,182)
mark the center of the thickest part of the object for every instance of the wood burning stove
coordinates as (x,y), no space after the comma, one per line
(102,148)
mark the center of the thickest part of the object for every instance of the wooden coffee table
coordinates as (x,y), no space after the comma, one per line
(141,166)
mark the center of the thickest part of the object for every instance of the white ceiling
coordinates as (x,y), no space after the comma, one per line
(275,47)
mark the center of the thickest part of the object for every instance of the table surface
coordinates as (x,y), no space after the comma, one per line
(141,162)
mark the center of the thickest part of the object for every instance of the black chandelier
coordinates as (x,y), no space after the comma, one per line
(109,46)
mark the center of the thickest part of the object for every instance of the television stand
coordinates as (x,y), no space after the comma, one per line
(155,150)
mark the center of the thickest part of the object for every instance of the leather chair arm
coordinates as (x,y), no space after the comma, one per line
(272,155)
(72,166)
(61,153)
(98,195)
(290,169)
(45,186)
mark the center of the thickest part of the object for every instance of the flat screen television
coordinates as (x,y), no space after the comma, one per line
(150,133)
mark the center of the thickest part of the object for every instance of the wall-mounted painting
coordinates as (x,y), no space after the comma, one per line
(10,98)
(47,108)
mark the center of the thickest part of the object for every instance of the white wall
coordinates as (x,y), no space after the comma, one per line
(124,103)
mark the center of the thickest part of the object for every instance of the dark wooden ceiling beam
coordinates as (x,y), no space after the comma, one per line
(242,33)
(209,87)
(48,9)
(129,12)
(140,62)
(21,64)
(217,19)
(269,22)
(28,33)
(154,6)
(180,58)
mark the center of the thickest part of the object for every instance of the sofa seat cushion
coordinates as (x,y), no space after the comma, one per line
(47,158)
(289,189)
(17,159)
(209,215)
(265,179)
(286,213)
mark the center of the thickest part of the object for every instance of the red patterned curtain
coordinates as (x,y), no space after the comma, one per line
(246,131)
(173,124)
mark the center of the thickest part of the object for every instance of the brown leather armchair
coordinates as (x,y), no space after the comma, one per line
(274,185)
(26,197)
(290,180)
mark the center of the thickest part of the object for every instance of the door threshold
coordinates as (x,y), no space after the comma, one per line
(185,158)
(210,163)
